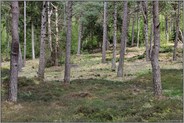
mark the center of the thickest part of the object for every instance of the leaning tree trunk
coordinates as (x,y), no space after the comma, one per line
(133,23)
(123,39)
(177,32)
(145,16)
(68,42)
(104,33)
(24,62)
(32,40)
(114,38)
(41,68)
(14,53)
(79,36)
(155,52)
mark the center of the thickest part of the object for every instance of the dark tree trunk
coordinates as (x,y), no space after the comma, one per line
(24,62)
(68,42)
(79,36)
(177,32)
(166,29)
(133,23)
(157,86)
(14,53)
(41,68)
(114,38)
(123,40)
(145,16)
(104,33)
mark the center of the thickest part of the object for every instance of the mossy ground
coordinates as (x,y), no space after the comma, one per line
(95,93)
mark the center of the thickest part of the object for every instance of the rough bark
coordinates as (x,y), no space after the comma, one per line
(123,40)
(49,12)
(114,38)
(104,33)
(24,62)
(151,39)
(138,25)
(79,36)
(41,68)
(14,53)
(133,23)
(20,62)
(68,42)
(155,52)
(32,41)
(145,16)
(177,33)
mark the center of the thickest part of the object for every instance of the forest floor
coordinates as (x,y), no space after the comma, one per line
(95,93)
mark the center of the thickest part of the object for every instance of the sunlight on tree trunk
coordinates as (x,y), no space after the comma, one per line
(104,33)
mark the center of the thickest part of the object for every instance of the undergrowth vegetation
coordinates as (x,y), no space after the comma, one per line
(95,93)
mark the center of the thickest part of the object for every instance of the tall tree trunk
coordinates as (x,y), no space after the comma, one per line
(177,32)
(166,29)
(104,33)
(145,16)
(157,86)
(133,23)
(24,62)
(68,42)
(20,62)
(123,39)
(79,36)
(114,38)
(7,36)
(14,53)
(41,68)
(151,39)
(138,25)
(32,37)
(49,12)
(57,38)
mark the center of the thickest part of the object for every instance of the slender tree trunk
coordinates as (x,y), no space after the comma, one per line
(49,12)
(138,25)
(7,36)
(177,32)
(151,39)
(166,29)
(133,23)
(68,42)
(14,53)
(57,38)
(114,38)
(20,62)
(104,33)
(41,68)
(123,39)
(24,63)
(79,36)
(32,37)
(157,86)
(145,16)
